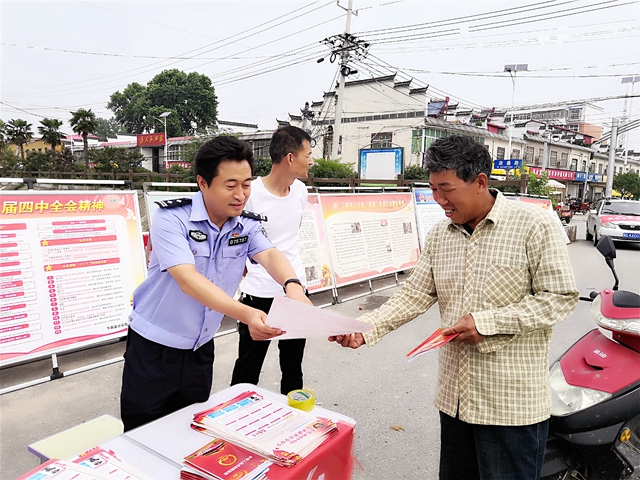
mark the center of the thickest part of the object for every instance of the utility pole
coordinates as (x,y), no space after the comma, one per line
(612,157)
(344,46)
(632,81)
(513,69)
(344,60)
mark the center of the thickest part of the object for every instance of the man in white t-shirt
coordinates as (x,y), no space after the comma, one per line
(282,198)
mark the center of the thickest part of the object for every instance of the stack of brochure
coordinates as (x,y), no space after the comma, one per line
(282,434)
(220,460)
(94,464)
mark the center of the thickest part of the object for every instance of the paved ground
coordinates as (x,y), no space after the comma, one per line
(375,386)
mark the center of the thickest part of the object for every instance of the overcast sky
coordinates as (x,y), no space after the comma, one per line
(58,56)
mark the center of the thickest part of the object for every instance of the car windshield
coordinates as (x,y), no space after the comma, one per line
(621,208)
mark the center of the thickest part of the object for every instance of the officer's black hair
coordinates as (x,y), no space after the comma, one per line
(460,153)
(286,140)
(220,149)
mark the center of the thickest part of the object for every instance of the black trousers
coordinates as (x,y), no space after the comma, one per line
(158,380)
(491,452)
(251,353)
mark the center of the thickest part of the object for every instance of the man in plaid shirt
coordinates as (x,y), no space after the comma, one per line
(500,273)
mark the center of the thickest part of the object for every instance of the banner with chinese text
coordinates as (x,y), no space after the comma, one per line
(370,234)
(69,262)
(428,212)
(314,249)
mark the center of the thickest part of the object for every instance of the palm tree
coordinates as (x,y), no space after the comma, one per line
(50,131)
(3,133)
(84,122)
(19,133)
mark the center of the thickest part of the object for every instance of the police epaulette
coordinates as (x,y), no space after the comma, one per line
(176,202)
(255,216)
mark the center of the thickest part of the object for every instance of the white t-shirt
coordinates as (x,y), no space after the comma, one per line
(284,215)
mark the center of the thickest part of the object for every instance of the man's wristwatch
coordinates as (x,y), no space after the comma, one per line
(291,280)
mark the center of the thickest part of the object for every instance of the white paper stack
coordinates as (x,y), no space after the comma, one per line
(282,434)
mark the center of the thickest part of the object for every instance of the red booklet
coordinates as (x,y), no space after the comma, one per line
(435,340)
(223,460)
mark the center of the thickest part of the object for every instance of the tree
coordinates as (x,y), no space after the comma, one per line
(108,128)
(539,185)
(50,130)
(111,159)
(190,98)
(19,133)
(627,184)
(8,159)
(84,122)
(3,133)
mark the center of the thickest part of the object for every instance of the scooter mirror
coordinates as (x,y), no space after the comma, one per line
(606,247)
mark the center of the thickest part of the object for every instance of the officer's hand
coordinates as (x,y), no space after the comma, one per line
(353,340)
(466,327)
(296,292)
(258,329)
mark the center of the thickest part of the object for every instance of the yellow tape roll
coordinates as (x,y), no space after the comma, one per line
(301,399)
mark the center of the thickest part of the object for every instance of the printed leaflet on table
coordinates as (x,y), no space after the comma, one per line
(220,460)
(94,464)
(282,434)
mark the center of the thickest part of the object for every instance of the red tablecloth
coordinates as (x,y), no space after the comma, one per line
(333,460)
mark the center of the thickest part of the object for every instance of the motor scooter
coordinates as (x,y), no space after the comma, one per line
(594,430)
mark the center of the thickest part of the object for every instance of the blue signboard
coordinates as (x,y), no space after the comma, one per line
(589,177)
(511,164)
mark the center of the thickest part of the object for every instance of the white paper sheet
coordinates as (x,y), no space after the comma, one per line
(304,321)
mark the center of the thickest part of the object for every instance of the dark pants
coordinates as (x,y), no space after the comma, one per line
(491,452)
(159,380)
(251,353)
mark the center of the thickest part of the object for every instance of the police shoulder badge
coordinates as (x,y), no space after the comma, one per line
(197,235)
(255,216)
(176,202)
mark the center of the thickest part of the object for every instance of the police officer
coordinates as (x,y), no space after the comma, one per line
(200,246)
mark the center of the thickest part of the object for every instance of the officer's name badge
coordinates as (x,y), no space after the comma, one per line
(197,235)
(238,240)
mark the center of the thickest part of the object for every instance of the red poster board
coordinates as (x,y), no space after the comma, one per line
(69,262)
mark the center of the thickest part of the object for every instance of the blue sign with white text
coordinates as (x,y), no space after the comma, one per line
(511,164)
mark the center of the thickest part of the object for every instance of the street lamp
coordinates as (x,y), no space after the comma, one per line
(164,116)
(512,70)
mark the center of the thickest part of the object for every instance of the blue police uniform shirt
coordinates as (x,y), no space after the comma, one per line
(180,235)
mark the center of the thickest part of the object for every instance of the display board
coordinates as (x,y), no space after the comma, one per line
(69,262)
(380,163)
(428,212)
(314,247)
(370,234)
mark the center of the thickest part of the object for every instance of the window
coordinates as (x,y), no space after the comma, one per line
(528,154)
(600,166)
(175,152)
(381,140)
(553,158)
(575,113)
(584,166)
(515,153)
(592,167)
(328,143)
(540,156)
(564,160)
(574,164)
(500,153)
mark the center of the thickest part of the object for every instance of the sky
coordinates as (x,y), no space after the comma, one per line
(58,56)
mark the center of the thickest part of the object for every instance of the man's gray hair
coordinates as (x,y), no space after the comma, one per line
(460,153)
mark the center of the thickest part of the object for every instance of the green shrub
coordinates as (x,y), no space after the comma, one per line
(415,172)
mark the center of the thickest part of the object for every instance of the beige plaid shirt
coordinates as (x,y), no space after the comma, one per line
(513,275)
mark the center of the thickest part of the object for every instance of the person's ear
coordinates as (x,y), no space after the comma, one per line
(202,183)
(483,181)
